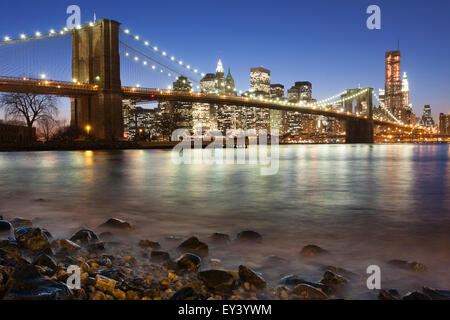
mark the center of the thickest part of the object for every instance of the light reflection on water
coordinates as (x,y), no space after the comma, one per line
(365,203)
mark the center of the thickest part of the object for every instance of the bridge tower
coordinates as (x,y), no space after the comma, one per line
(95,60)
(360,130)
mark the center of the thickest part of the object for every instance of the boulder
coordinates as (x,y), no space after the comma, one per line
(250,276)
(117,224)
(249,236)
(195,246)
(26,283)
(312,250)
(408,265)
(293,280)
(390,294)
(415,295)
(34,239)
(333,280)
(69,245)
(188,262)
(436,294)
(6,230)
(307,292)
(21,222)
(221,281)
(46,261)
(84,237)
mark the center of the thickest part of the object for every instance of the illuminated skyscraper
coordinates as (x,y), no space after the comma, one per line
(393,85)
(444,123)
(260,80)
(427,118)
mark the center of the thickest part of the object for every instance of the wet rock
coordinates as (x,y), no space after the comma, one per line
(312,250)
(249,236)
(293,280)
(84,237)
(21,222)
(115,223)
(46,261)
(215,262)
(333,280)
(186,293)
(248,275)
(306,292)
(6,230)
(339,270)
(219,280)
(114,274)
(149,244)
(33,239)
(415,295)
(159,256)
(437,294)
(188,262)
(195,246)
(219,237)
(69,245)
(408,265)
(105,284)
(27,284)
(390,294)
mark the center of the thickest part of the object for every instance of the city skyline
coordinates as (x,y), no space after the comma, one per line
(297,62)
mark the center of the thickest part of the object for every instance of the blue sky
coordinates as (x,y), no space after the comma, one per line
(325,42)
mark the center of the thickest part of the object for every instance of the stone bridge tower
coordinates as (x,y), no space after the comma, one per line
(95,60)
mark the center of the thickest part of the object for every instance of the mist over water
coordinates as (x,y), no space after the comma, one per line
(366,204)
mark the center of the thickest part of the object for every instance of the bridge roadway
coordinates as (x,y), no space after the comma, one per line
(71,89)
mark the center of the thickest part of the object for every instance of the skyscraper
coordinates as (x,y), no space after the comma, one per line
(444,123)
(427,118)
(393,85)
(260,80)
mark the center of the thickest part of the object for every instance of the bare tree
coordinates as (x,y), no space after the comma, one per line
(47,126)
(28,107)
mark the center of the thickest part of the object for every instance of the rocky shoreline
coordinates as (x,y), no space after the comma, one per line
(34,265)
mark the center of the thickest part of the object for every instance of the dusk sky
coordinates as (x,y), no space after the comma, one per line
(324,42)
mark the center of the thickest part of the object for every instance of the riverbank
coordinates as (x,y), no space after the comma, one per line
(35,265)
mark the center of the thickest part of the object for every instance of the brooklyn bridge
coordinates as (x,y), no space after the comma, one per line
(97,93)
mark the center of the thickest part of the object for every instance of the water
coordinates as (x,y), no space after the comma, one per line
(366,204)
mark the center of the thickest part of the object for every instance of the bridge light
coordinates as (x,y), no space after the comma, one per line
(38,34)
(23,36)
(188,67)
(145,63)
(52,31)
(155,48)
(66,29)
(153,67)
(146,43)
(74,80)
(180,63)
(172,58)
(136,37)
(127,54)
(127,31)
(202,74)
(43,76)
(169,87)
(138,85)
(164,53)
(78,26)
(7,38)
(136,58)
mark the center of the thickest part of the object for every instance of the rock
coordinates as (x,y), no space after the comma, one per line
(219,237)
(249,236)
(27,284)
(33,239)
(437,294)
(293,280)
(415,295)
(311,250)
(119,294)
(46,261)
(274,261)
(84,237)
(188,262)
(407,265)
(149,244)
(339,270)
(115,223)
(193,245)
(219,280)
(21,222)
(306,292)
(248,275)
(333,280)
(114,274)
(390,294)
(6,230)
(95,247)
(159,256)
(215,262)
(186,293)
(105,284)
(69,245)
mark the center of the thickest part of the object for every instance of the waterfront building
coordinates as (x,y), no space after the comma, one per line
(260,80)
(427,118)
(444,123)
(393,83)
